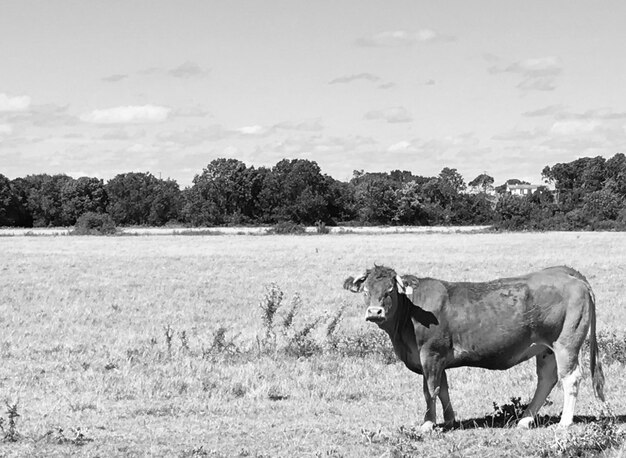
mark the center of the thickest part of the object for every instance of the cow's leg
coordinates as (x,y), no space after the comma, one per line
(570,375)
(432,388)
(444,397)
(546,379)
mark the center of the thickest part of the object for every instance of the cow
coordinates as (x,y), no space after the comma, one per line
(435,325)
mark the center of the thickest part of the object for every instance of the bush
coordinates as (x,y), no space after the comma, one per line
(94,224)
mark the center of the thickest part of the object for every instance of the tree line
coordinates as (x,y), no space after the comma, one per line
(589,193)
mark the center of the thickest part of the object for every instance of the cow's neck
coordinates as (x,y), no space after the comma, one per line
(398,330)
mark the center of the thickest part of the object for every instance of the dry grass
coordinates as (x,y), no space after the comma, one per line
(106,344)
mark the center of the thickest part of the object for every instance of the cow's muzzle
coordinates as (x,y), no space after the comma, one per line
(375,314)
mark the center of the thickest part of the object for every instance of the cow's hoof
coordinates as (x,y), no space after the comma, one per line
(427,427)
(526,423)
(449,424)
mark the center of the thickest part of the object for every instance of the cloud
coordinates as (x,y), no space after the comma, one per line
(536,67)
(356,77)
(187,70)
(140,148)
(600,113)
(520,135)
(402,38)
(538,74)
(6,129)
(127,115)
(430,82)
(310,125)
(122,134)
(190,112)
(48,115)
(17,103)
(114,78)
(550,110)
(391,115)
(401,146)
(194,135)
(388,85)
(575,127)
(537,84)
(253,130)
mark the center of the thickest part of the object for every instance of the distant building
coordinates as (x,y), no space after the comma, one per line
(522,189)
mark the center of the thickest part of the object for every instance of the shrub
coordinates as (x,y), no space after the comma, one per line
(91,223)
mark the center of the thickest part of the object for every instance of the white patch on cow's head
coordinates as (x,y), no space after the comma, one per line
(408,291)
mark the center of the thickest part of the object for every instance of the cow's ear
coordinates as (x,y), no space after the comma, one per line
(354,284)
(400,284)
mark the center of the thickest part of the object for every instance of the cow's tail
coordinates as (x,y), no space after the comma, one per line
(595,365)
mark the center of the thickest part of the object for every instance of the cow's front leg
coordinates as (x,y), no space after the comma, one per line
(432,388)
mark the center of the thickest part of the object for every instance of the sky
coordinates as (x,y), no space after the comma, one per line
(97,88)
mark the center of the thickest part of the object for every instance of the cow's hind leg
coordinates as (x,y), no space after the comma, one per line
(570,375)
(546,379)
(444,397)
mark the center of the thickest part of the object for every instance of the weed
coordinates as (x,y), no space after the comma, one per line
(238,390)
(58,436)
(221,345)
(296,302)
(169,334)
(331,327)
(269,305)
(184,342)
(301,344)
(507,414)
(10,433)
(595,438)
(274,393)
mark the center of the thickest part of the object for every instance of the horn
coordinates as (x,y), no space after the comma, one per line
(400,284)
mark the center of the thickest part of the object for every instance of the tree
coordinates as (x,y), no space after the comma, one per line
(295,190)
(226,192)
(141,198)
(40,197)
(82,195)
(376,199)
(8,202)
(21,215)
(410,207)
(482,183)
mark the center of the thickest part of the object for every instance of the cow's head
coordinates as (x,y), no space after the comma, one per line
(380,287)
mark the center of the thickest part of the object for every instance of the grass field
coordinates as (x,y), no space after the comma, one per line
(108,346)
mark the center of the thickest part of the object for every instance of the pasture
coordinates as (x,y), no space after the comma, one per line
(119,346)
